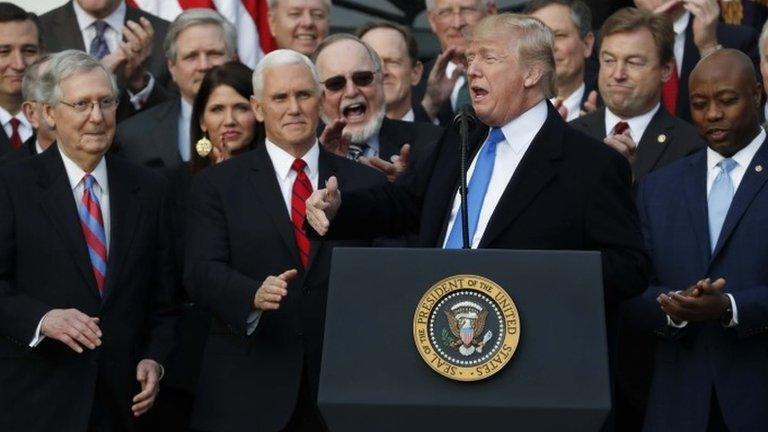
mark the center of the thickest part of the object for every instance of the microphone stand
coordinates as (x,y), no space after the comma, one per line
(464,117)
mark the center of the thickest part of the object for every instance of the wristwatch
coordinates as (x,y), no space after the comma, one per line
(727,316)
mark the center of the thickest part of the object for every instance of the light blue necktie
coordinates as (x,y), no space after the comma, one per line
(478,185)
(99,47)
(719,200)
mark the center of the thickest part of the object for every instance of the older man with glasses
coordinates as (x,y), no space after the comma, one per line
(353,108)
(84,286)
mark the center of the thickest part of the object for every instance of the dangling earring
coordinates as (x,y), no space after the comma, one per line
(203,146)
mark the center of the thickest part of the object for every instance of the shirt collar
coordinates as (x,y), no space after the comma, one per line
(409,116)
(525,126)
(681,23)
(637,124)
(115,19)
(5,118)
(743,157)
(282,160)
(76,174)
(186,109)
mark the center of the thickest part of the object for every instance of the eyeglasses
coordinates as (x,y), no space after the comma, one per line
(446,13)
(85,107)
(359,78)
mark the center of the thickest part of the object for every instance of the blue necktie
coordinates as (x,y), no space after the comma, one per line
(99,48)
(719,200)
(478,186)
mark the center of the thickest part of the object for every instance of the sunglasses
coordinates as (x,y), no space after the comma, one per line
(359,78)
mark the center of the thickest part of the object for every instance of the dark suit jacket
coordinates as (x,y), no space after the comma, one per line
(26,150)
(738,37)
(44,264)
(569,192)
(5,143)
(680,139)
(150,138)
(240,232)
(396,133)
(693,361)
(60,31)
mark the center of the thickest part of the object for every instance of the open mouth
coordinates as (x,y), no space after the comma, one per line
(478,92)
(306,38)
(355,112)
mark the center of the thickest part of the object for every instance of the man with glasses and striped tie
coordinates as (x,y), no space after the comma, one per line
(85,313)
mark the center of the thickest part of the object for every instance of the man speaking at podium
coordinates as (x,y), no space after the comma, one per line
(533,182)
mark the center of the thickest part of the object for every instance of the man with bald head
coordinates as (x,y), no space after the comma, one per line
(704,224)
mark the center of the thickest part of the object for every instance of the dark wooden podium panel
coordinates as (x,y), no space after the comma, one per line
(373,378)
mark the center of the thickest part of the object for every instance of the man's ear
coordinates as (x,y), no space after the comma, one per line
(666,70)
(257,109)
(28,108)
(533,76)
(48,116)
(416,73)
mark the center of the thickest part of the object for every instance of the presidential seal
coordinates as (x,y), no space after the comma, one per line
(466,327)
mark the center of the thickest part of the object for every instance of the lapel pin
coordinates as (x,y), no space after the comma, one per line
(759,168)
(661,138)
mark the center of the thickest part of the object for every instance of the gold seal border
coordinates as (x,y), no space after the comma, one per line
(440,290)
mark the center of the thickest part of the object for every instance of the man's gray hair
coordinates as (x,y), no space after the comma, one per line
(581,16)
(271,4)
(431,3)
(763,39)
(281,57)
(63,65)
(195,17)
(332,39)
(30,82)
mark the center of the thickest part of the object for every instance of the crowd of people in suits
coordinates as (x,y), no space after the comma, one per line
(168,215)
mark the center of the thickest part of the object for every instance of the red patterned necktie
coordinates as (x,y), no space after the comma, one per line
(619,128)
(669,91)
(302,189)
(15,136)
(93,229)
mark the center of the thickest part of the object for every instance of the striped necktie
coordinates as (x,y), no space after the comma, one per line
(99,47)
(302,189)
(92,223)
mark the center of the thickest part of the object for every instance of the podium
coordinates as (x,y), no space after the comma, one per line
(374,379)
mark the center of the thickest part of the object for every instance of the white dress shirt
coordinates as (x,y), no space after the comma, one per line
(518,134)
(573,102)
(25,128)
(185,117)
(75,175)
(637,125)
(282,161)
(113,36)
(679,27)
(409,116)
(743,158)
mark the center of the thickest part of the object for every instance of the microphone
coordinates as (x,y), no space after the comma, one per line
(465,119)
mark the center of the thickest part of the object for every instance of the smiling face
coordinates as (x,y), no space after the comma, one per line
(631,76)
(362,106)
(227,116)
(85,135)
(299,25)
(725,100)
(289,107)
(18,49)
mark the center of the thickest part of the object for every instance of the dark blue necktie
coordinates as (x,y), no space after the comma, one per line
(476,189)
(99,47)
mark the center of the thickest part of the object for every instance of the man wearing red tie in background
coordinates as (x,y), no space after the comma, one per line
(19,48)
(85,316)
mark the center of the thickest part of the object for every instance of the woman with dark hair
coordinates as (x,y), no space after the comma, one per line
(222,123)
(222,126)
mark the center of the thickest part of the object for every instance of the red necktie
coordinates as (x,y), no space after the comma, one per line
(619,128)
(302,189)
(15,137)
(92,223)
(669,91)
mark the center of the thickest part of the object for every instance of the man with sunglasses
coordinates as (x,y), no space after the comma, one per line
(354,109)
(85,315)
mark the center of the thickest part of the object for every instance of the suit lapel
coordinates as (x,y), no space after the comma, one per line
(67,30)
(59,204)
(166,133)
(5,142)
(389,140)
(650,149)
(695,186)
(268,190)
(750,185)
(125,211)
(533,173)
(595,125)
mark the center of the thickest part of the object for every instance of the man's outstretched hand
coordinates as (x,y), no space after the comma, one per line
(322,206)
